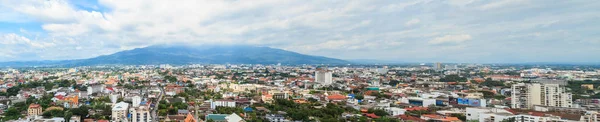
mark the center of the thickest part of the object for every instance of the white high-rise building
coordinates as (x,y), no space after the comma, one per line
(113,98)
(140,114)
(527,95)
(323,76)
(119,112)
(136,100)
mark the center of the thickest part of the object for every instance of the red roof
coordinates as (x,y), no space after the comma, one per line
(336,97)
(416,109)
(411,118)
(372,115)
(536,113)
(34,106)
(60,97)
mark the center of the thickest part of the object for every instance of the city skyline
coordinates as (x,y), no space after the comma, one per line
(459,31)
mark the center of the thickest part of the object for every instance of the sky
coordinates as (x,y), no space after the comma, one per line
(469,31)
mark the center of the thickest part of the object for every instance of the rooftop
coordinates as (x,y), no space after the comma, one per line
(121,106)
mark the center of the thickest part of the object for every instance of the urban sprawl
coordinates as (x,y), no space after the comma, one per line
(436,92)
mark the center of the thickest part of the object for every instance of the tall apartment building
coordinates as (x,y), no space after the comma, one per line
(119,112)
(323,76)
(437,66)
(527,95)
(139,114)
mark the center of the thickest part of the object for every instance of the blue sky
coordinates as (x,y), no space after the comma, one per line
(491,31)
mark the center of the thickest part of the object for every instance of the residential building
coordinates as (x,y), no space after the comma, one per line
(323,76)
(224,103)
(139,114)
(224,118)
(279,94)
(527,95)
(482,114)
(587,86)
(119,112)
(34,110)
(437,66)
(590,116)
(136,100)
(395,111)
(276,118)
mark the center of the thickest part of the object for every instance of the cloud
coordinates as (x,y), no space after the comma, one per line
(339,29)
(450,39)
(501,3)
(412,22)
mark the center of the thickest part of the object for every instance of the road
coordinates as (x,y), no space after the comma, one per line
(160,97)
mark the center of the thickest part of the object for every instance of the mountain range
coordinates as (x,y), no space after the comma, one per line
(179,55)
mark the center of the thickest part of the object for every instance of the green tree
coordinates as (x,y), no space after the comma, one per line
(13,91)
(12,113)
(359,97)
(378,112)
(48,86)
(453,78)
(394,82)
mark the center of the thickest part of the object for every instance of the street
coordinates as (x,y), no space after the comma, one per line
(156,103)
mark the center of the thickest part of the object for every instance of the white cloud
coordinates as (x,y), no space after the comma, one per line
(455,39)
(412,22)
(340,29)
(501,3)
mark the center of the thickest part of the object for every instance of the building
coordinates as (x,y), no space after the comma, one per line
(590,116)
(54,119)
(276,118)
(34,110)
(136,100)
(395,111)
(323,76)
(587,86)
(486,114)
(279,94)
(139,114)
(119,112)
(224,118)
(190,118)
(223,103)
(527,95)
(336,98)
(71,101)
(437,66)
(234,118)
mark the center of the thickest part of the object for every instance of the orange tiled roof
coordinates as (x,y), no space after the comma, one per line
(34,105)
(450,119)
(416,108)
(336,97)
(433,116)
(189,118)
(372,115)
(411,118)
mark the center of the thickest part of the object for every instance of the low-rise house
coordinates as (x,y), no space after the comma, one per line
(223,103)
(395,111)
(336,98)
(276,118)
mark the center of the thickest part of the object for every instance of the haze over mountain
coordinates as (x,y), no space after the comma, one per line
(177,54)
